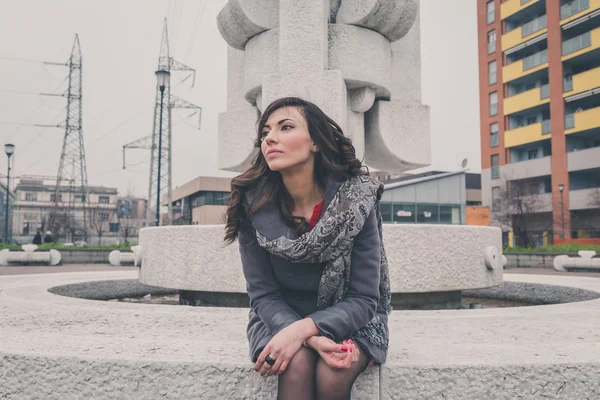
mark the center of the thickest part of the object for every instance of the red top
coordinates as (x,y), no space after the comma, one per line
(316,214)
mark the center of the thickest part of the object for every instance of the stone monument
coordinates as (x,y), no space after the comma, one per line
(357,60)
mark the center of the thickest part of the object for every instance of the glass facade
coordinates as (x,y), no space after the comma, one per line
(420,213)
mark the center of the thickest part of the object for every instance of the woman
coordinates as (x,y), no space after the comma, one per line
(307,220)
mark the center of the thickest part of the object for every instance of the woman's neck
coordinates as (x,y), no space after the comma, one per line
(303,188)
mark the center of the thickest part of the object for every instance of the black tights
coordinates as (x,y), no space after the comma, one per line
(309,377)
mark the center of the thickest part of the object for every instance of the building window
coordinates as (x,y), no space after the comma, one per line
(427,214)
(450,214)
(103,199)
(53,197)
(493,103)
(492,75)
(495,166)
(386,212)
(404,213)
(30,196)
(495,199)
(491,41)
(491,11)
(30,217)
(532,154)
(113,227)
(494,134)
(79,198)
(103,216)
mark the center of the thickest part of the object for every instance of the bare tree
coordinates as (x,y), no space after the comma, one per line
(127,228)
(100,221)
(594,198)
(518,206)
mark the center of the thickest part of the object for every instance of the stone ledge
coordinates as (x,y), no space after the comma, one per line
(76,347)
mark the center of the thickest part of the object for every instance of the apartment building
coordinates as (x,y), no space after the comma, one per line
(34,201)
(201,201)
(539,73)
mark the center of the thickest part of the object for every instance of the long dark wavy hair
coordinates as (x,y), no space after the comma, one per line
(336,156)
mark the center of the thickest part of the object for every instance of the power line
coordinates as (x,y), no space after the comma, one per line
(21,60)
(195,29)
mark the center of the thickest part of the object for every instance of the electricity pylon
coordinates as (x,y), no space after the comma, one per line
(72,167)
(169,101)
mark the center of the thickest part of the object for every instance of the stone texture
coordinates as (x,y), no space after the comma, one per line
(392,18)
(327,52)
(182,257)
(59,347)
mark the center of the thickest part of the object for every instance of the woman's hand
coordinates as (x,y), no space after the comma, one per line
(338,356)
(283,346)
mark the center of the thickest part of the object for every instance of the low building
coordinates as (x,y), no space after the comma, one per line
(201,201)
(131,216)
(431,198)
(78,216)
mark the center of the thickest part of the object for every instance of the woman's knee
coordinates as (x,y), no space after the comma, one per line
(334,383)
(303,363)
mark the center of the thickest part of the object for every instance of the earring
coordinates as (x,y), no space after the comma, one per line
(314,149)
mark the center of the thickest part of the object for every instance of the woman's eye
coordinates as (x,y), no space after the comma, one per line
(286,127)
(262,135)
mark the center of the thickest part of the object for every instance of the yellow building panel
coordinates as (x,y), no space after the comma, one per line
(526,134)
(584,81)
(595,45)
(515,70)
(594,5)
(515,37)
(523,101)
(585,120)
(511,7)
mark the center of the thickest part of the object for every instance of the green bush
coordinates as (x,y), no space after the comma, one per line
(568,248)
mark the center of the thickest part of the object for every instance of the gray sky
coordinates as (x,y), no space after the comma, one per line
(120,41)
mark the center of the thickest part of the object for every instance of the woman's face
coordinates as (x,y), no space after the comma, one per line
(285,141)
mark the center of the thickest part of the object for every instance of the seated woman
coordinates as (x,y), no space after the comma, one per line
(306,215)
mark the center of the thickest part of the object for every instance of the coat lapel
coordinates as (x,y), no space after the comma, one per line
(269,220)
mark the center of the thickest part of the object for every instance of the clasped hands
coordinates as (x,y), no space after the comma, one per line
(286,343)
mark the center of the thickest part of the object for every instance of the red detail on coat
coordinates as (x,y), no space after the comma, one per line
(316,214)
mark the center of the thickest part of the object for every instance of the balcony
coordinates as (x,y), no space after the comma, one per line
(523,101)
(583,159)
(582,82)
(525,66)
(539,202)
(576,9)
(524,33)
(582,199)
(512,7)
(527,134)
(581,44)
(527,169)
(582,121)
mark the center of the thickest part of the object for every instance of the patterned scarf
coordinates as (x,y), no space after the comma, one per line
(331,242)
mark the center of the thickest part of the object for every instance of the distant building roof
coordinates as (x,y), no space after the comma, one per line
(418,178)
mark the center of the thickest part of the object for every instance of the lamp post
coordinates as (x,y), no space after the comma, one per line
(162,77)
(9,149)
(561,188)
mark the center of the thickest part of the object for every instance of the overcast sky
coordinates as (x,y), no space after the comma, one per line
(120,41)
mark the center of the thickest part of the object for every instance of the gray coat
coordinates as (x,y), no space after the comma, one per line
(282,292)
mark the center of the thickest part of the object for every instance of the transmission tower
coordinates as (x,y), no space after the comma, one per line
(72,167)
(165,63)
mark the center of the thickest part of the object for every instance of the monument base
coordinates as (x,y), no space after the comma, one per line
(213,299)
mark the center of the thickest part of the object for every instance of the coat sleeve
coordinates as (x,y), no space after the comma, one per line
(262,285)
(358,308)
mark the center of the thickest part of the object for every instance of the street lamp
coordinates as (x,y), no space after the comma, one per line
(561,188)
(9,149)
(162,78)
